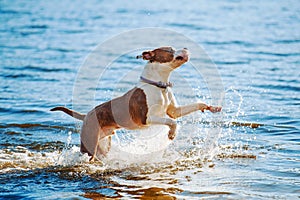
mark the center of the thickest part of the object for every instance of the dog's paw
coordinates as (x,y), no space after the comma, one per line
(171,135)
(172,132)
(214,109)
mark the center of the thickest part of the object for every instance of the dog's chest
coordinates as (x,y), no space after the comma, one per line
(157,96)
(165,100)
(157,99)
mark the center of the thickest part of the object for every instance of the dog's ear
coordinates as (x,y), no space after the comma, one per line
(148,55)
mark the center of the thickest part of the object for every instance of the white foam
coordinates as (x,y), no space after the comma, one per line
(144,141)
(140,147)
(72,156)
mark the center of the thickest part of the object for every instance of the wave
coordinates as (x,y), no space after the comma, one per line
(29,126)
(28,76)
(278,87)
(14,12)
(70,159)
(287,41)
(274,53)
(20,111)
(37,69)
(36,26)
(230,42)
(43,69)
(191,26)
(232,62)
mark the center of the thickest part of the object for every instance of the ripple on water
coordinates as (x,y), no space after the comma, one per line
(35,68)
(257,53)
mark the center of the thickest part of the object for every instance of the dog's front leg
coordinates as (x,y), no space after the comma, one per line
(165,121)
(175,111)
(179,111)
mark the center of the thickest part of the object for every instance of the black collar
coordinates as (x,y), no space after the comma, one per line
(158,84)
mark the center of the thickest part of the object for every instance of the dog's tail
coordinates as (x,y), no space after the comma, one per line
(72,113)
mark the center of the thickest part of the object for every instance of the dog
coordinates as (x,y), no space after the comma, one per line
(151,102)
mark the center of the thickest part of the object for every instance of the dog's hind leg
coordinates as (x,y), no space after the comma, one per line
(90,135)
(97,145)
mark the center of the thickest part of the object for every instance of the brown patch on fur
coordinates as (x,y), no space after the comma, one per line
(128,111)
(138,106)
(161,55)
(105,115)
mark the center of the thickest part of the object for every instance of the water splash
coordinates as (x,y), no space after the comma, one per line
(212,138)
(220,135)
(144,141)
(233,144)
(20,158)
(140,148)
(232,107)
(69,139)
(71,156)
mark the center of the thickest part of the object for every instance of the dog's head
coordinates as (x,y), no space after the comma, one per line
(166,55)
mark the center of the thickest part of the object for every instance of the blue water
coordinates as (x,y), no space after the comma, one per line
(256,48)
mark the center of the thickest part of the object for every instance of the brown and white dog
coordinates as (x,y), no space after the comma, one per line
(150,102)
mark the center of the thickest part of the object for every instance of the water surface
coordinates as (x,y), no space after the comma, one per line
(255,45)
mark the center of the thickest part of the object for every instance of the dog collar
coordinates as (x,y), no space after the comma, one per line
(158,84)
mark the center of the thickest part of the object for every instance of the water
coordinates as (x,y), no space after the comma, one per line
(255,46)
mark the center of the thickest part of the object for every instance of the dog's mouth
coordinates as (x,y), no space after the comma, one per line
(179,58)
(182,55)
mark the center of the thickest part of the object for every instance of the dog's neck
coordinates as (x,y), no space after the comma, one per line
(157,72)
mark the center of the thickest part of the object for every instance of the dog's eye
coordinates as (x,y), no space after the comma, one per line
(179,58)
(172,50)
